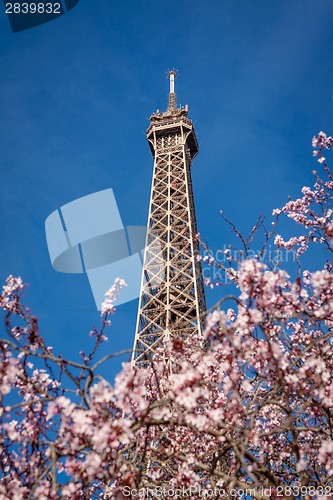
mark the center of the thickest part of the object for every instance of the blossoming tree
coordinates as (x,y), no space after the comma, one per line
(245,410)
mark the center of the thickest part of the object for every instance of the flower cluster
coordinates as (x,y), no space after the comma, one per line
(313,211)
(111,296)
(319,143)
(9,299)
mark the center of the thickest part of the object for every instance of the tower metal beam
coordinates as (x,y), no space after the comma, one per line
(172,299)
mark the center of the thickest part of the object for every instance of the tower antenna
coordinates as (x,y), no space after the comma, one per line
(172,97)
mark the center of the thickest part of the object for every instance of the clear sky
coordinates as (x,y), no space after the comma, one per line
(76,95)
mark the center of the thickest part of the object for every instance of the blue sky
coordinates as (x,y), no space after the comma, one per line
(76,95)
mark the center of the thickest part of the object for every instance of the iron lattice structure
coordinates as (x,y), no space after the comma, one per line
(172,298)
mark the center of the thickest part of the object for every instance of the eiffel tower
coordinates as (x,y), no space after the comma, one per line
(172,299)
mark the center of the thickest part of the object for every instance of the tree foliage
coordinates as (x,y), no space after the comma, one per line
(247,409)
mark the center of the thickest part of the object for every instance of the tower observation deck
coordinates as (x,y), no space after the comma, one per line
(172,299)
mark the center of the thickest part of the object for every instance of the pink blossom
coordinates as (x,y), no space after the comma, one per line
(244,404)
(111,296)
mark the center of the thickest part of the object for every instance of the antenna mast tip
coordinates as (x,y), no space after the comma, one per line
(172,73)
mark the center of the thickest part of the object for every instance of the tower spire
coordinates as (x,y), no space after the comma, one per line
(172,97)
